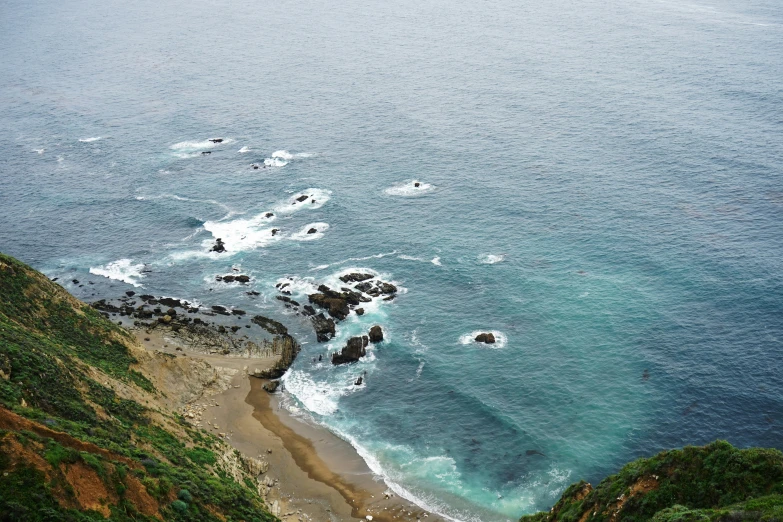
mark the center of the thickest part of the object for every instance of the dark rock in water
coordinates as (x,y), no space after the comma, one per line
(243,279)
(253,293)
(228,279)
(417,184)
(359,311)
(390,298)
(302,198)
(222,329)
(275,231)
(270,325)
(358,381)
(333,302)
(157,311)
(255,167)
(376,334)
(374,291)
(130,293)
(171,312)
(146,297)
(363,287)
(235,328)
(55,279)
(170,302)
(312,231)
(324,328)
(308,310)
(216,140)
(205,152)
(387,288)
(289,302)
(271,386)
(352,352)
(237,311)
(222,310)
(486,338)
(219,246)
(75,281)
(269,215)
(355,278)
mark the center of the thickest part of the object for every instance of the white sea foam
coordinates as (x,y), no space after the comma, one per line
(316,198)
(281,158)
(89,140)
(298,286)
(121,270)
(411,258)
(436,261)
(500,339)
(305,235)
(275,162)
(491,259)
(320,397)
(242,234)
(39,151)
(409,188)
(243,150)
(352,259)
(193,146)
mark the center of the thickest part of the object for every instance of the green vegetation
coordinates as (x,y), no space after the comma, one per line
(65,434)
(716,482)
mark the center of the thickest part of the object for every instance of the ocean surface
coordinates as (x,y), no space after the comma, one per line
(601,185)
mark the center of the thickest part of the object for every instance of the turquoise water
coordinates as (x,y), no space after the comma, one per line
(602,187)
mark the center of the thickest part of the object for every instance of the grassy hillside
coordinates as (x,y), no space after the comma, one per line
(81,435)
(717,482)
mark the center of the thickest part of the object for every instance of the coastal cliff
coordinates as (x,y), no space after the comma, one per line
(716,482)
(86,430)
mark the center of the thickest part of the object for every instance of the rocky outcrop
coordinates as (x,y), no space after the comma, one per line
(376,334)
(355,277)
(218,247)
(324,327)
(241,278)
(486,338)
(270,325)
(335,303)
(355,349)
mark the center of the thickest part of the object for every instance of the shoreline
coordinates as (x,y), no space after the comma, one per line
(312,473)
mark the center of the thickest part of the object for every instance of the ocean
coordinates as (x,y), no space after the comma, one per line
(600,185)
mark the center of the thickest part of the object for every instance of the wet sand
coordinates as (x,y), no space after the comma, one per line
(317,476)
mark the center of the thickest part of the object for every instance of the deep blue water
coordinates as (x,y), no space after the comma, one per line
(602,186)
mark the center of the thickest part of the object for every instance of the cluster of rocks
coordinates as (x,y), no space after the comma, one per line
(191,324)
(231,278)
(356,348)
(337,304)
(486,338)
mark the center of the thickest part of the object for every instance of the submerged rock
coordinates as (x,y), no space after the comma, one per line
(354,350)
(270,325)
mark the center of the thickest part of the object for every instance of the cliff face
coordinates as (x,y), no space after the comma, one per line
(714,482)
(85,432)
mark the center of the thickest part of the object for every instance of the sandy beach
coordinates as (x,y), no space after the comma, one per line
(313,474)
